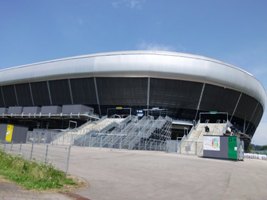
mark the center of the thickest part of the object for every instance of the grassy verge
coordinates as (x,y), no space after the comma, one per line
(32,175)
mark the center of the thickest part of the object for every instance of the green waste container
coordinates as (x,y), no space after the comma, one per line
(232,148)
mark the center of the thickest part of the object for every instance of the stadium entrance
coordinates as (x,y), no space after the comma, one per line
(213,117)
(119,112)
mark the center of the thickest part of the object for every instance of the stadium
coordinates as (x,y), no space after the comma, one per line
(175,87)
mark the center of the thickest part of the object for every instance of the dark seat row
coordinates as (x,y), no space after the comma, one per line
(36,110)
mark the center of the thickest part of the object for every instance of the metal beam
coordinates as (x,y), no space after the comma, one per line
(30,86)
(97,97)
(233,113)
(16,96)
(200,99)
(71,97)
(3,96)
(252,116)
(244,126)
(49,93)
(148,92)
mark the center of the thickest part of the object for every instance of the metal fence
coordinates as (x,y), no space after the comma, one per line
(56,155)
(255,156)
(172,146)
(191,148)
(116,142)
(102,140)
(147,133)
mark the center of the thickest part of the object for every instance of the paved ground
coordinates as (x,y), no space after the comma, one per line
(10,191)
(130,175)
(119,174)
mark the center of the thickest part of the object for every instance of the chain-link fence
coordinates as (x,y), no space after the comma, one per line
(100,140)
(56,155)
(191,148)
(117,142)
(172,146)
(104,140)
(255,156)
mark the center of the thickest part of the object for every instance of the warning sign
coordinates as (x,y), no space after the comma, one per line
(9,132)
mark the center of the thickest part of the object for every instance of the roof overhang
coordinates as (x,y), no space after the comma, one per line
(155,64)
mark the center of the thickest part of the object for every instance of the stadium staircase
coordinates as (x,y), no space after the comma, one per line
(137,130)
(124,133)
(68,137)
(130,132)
(148,130)
(155,135)
(114,138)
(193,142)
(143,131)
(104,137)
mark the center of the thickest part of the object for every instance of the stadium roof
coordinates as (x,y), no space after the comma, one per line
(158,64)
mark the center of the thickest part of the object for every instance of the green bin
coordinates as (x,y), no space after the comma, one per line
(232,148)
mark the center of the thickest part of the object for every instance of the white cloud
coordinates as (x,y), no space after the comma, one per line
(133,4)
(154,47)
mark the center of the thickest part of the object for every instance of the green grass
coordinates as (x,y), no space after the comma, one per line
(32,175)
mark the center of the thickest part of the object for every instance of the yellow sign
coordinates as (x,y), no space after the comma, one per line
(9,132)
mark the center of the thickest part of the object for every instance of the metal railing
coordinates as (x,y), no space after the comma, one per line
(79,134)
(130,133)
(56,155)
(191,148)
(124,127)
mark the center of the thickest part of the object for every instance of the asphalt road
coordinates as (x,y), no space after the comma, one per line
(141,175)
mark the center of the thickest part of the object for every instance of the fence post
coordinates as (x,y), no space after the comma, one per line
(31,151)
(72,139)
(68,159)
(196,148)
(11,146)
(145,144)
(4,146)
(84,141)
(177,146)
(20,146)
(46,153)
(90,138)
(120,142)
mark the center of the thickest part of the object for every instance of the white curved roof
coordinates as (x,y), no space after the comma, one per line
(158,64)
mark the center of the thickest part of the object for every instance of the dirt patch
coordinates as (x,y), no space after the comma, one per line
(74,196)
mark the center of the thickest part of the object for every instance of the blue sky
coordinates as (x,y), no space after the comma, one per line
(234,31)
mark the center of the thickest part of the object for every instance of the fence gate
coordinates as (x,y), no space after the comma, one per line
(172,146)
